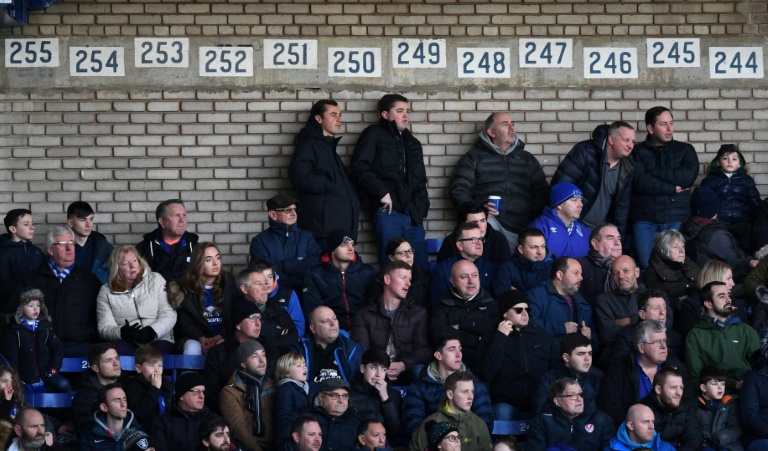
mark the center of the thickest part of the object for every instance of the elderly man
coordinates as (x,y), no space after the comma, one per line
(337,420)
(341,281)
(372,436)
(676,421)
(629,380)
(168,248)
(528,268)
(70,293)
(278,330)
(320,178)
(329,354)
(495,247)
(517,355)
(565,235)
(720,339)
(651,304)
(604,248)
(306,434)
(178,428)
(665,169)
(498,165)
(558,307)
(566,419)
(247,401)
(602,170)
(29,427)
(467,310)
(291,250)
(638,432)
(469,243)
(395,326)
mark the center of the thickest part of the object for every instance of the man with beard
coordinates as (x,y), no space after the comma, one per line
(675,421)
(559,308)
(720,339)
(214,434)
(105,369)
(29,426)
(604,248)
(111,420)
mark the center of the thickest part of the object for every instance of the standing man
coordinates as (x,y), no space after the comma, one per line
(498,165)
(665,169)
(91,248)
(600,167)
(388,165)
(168,249)
(320,178)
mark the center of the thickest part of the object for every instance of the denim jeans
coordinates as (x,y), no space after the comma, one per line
(389,226)
(644,232)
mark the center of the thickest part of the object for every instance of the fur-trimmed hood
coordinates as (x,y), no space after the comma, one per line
(27,295)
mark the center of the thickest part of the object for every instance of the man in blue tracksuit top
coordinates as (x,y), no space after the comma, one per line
(564,234)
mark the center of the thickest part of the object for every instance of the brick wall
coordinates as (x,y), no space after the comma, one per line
(125,145)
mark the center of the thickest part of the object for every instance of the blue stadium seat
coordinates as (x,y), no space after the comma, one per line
(510,427)
(50,400)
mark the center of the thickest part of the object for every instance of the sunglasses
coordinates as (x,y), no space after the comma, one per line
(519,310)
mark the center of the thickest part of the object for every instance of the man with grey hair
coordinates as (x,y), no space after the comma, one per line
(29,427)
(631,379)
(168,248)
(602,170)
(70,293)
(498,165)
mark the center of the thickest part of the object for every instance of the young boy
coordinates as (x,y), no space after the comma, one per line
(736,191)
(371,395)
(718,414)
(31,346)
(292,393)
(388,165)
(149,393)
(17,253)
(91,248)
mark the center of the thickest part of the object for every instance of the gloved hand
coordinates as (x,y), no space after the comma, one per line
(50,372)
(128,332)
(144,335)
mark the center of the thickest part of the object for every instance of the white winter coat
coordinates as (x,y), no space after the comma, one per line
(146,304)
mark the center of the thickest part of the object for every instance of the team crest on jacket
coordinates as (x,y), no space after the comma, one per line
(589,428)
(553,229)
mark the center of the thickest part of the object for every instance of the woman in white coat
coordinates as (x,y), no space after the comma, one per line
(132,308)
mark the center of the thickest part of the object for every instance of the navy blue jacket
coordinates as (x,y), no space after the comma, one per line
(386,161)
(441,275)
(172,265)
(590,431)
(550,311)
(425,393)
(97,437)
(753,405)
(589,382)
(292,250)
(583,166)
(521,273)
(328,199)
(33,354)
(495,248)
(339,433)
(348,354)
(16,258)
(657,172)
(289,399)
(98,257)
(342,292)
(513,364)
(738,194)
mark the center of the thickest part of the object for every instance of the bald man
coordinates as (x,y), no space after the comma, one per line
(618,308)
(639,432)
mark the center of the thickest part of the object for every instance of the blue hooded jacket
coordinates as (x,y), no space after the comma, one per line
(622,442)
(559,243)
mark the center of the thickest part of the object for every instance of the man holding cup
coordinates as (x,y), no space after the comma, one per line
(498,166)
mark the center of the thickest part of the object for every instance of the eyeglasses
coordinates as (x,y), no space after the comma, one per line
(255,317)
(454,438)
(196,391)
(405,252)
(657,343)
(64,243)
(519,310)
(574,396)
(286,210)
(474,240)
(337,396)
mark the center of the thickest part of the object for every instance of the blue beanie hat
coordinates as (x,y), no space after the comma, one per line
(563,191)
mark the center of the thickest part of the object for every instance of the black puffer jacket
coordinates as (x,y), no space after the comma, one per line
(738,194)
(170,265)
(513,364)
(328,199)
(673,278)
(339,433)
(714,242)
(679,427)
(71,303)
(583,165)
(177,430)
(517,177)
(386,161)
(657,172)
(342,292)
(41,350)
(366,401)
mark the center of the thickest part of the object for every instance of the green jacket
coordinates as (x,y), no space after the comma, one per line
(470,426)
(730,349)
